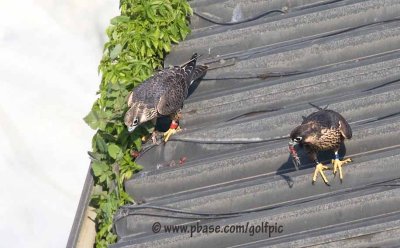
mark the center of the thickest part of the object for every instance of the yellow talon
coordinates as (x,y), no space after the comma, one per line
(337,165)
(319,168)
(170,132)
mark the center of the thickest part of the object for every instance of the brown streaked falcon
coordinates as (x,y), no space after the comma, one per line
(320,131)
(162,95)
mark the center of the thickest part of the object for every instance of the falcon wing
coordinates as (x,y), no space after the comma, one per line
(331,119)
(345,128)
(170,102)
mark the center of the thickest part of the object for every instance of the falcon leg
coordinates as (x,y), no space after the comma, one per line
(174,127)
(319,168)
(337,165)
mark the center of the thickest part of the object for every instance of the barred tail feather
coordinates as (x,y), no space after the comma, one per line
(192,71)
(315,106)
(199,72)
(189,67)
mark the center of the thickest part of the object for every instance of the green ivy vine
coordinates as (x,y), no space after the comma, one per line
(139,38)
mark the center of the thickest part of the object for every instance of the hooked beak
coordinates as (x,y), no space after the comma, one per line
(131,128)
(293,153)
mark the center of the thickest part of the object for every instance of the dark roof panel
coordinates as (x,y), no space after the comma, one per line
(263,74)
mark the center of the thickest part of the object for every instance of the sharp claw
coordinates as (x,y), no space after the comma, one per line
(168,134)
(337,166)
(320,169)
(173,129)
(166,137)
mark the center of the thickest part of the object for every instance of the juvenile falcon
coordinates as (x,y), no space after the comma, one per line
(162,95)
(320,131)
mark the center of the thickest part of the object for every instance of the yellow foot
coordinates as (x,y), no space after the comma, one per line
(319,168)
(170,132)
(337,166)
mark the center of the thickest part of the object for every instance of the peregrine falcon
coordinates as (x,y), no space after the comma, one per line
(320,131)
(162,95)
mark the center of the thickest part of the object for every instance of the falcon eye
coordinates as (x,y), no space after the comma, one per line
(135,121)
(298,139)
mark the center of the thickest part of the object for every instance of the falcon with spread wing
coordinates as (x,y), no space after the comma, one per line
(162,95)
(320,131)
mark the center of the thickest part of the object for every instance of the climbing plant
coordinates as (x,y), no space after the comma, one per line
(139,38)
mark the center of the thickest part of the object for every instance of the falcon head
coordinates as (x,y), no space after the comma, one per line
(132,119)
(304,133)
(297,135)
(300,135)
(137,114)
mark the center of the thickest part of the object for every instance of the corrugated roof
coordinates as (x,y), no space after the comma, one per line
(262,75)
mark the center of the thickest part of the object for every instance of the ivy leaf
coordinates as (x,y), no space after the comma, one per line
(115,51)
(156,33)
(174,40)
(128,175)
(143,50)
(99,168)
(119,19)
(103,177)
(92,119)
(95,156)
(157,2)
(114,150)
(148,43)
(100,143)
(98,190)
(167,47)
